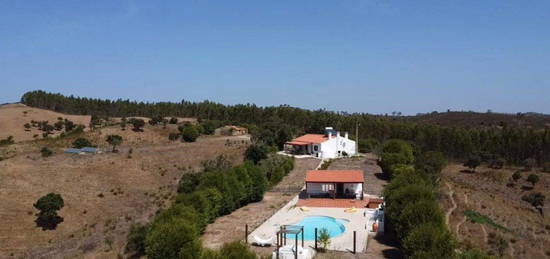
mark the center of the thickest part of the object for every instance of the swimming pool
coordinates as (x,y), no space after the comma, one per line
(334,226)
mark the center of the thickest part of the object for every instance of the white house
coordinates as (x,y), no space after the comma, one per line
(328,145)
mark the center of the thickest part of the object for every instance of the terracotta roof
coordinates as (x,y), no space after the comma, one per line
(335,176)
(309,139)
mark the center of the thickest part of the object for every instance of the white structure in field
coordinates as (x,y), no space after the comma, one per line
(328,145)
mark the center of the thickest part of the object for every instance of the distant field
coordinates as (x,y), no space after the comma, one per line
(104,193)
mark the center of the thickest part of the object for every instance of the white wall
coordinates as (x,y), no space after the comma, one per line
(356,188)
(331,147)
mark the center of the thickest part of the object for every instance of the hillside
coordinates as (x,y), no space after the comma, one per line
(104,193)
(14,116)
(507,224)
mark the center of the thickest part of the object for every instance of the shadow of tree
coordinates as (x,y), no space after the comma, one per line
(48,221)
(389,240)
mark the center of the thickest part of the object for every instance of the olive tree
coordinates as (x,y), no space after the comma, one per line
(114,140)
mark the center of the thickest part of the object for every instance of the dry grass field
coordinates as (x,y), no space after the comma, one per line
(14,116)
(103,193)
(527,233)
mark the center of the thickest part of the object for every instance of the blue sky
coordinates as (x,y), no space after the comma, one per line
(354,55)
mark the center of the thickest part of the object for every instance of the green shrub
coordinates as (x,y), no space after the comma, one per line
(256,153)
(136,239)
(190,134)
(429,241)
(482,219)
(48,206)
(173,238)
(6,141)
(395,152)
(236,250)
(535,199)
(324,238)
(81,142)
(46,152)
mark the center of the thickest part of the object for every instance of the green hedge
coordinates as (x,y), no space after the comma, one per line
(202,198)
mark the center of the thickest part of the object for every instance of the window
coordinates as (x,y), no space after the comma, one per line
(316,148)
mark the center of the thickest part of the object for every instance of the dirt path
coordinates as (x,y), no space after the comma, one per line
(232,227)
(453,208)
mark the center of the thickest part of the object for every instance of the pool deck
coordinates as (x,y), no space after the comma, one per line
(359,221)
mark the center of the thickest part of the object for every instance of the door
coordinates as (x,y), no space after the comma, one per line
(339,189)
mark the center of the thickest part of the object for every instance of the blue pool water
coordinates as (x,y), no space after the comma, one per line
(334,226)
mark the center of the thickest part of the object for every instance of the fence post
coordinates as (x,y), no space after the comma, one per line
(246,233)
(315,239)
(354,239)
(296,246)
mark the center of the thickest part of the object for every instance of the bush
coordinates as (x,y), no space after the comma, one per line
(173,238)
(81,142)
(395,152)
(368,145)
(431,163)
(497,163)
(173,120)
(136,239)
(546,167)
(473,162)
(46,152)
(256,153)
(6,141)
(236,250)
(210,126)
(516,176)
(189,134)
(137,124)
(535,199)
(324,238)
(48,206)
(429,241)
(533,179)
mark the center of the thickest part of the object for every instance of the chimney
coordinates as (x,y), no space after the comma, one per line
(346,135)
(337,134)
(329,134)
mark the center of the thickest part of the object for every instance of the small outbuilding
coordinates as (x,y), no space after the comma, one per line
(346,184)
(231,130)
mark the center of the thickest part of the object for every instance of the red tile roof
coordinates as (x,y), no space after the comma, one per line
(335,176)
(309,139)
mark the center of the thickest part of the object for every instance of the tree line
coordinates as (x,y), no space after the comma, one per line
(277,124)
(203,196)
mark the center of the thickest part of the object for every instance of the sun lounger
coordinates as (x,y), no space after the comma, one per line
(261,241)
